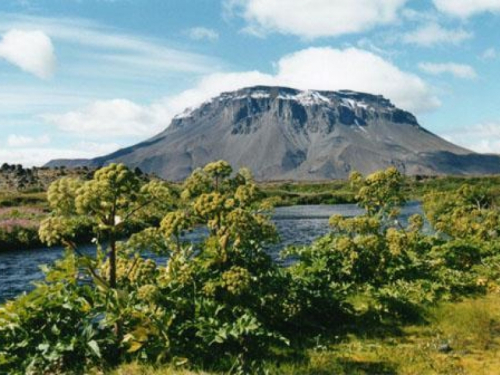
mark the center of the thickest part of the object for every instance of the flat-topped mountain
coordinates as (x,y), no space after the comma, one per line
(286,134)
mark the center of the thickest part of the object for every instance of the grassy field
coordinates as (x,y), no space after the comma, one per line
(20,199)
(20,216)
(339,191)
(295,193)
(456,338)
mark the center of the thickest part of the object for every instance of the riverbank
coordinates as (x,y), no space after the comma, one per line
(21,212)
(289,193)
(19,221)
(19,227)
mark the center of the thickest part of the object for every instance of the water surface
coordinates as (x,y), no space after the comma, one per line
(297,225)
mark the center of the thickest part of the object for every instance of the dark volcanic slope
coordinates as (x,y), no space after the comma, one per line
(282,133)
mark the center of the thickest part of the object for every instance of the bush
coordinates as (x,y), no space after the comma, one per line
(18,237)
(54,329)
(222,304)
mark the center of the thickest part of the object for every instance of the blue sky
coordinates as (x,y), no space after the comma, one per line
(80,78)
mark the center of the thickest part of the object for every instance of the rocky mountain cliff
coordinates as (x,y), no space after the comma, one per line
(286,134)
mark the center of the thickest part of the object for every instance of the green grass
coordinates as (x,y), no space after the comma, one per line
(294,193)
(339,191)
(418,187)
(18,199)
(470,328)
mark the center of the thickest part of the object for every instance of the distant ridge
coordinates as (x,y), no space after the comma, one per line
(282,133)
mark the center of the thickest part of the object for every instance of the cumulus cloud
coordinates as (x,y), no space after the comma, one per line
(433,34)
(312,68)
(315,18)
(467,8)
(15,140)
(203,33)
(355,69)
(324,69)
(117,117)
(457,70)
(211,86)
(32,51)
(483,137)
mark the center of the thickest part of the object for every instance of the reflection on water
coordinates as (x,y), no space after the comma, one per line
(297,225)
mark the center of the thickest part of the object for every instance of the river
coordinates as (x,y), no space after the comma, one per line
(297,225)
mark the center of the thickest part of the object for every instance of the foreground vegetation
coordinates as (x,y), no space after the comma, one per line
(372,296)
(23,203)
(23,192)
(456,338)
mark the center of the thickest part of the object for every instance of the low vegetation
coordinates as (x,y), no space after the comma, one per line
(339,191)
(22,235)
(295,193)
(23,203)
(456,338)
(16,178)
(375,295)
(20,217)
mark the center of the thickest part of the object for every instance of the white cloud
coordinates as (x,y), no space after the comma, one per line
(315,18)
(38,156)
(483,137)
(358,70)
(117,118)
(433,34)
(98,46)
(313,68)
(457,70)
(203,33)
(212,85)
(97,148)
(370,45)
(321,69)
(467,8)
(15,140)
(489,54)
(32,51)
(420,15)
(18,99)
